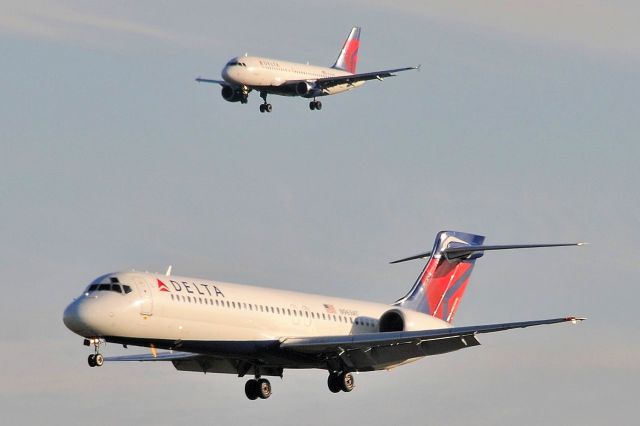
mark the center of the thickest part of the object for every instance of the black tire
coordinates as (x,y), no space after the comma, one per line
(267,107)
(312,105)
(92,360)
(318,105)
(262,108)
(264,388)
(333,383)
(347,382)
(251,389)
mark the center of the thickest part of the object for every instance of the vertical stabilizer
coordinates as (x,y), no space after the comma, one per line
(441,284)
(348,57)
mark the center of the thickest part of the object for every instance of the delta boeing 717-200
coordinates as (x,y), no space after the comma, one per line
(268,76)
(217,327)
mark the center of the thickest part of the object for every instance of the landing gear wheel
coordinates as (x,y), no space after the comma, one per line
(264,388)
(347,383)
(99,360)
(92,360)
(315,105)
(251,389)
(265,107)
(333,383)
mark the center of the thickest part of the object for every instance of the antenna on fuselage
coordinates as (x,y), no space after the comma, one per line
(168,273)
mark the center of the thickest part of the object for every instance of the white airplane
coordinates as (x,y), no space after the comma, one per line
(243,74)
(217,327)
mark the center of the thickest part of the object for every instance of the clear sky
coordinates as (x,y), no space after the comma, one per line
(522,125)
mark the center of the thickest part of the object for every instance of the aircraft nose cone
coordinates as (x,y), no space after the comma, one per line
(225,74)
(75,318)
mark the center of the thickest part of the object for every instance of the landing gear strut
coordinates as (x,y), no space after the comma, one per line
(264,107)
(245,95)
(342,381)
(315,105)
(257,388)
(95,359)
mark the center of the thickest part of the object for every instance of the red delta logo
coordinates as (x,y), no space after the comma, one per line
(162,286)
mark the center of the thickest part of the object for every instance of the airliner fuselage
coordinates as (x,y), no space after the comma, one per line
(268,76)
(178,309)
(220,327)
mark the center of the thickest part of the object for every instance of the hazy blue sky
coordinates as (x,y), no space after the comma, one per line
(522,125)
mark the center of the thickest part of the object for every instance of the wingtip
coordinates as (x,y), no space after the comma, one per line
(574,320)
(582,243)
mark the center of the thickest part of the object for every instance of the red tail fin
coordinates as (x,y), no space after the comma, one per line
(348,57)
(442,283)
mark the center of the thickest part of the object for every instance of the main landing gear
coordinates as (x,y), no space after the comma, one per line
(257,388)
(315,105)
(341,381)
(264,107)
(95,359)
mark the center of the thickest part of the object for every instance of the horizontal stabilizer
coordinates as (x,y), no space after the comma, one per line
(465,251)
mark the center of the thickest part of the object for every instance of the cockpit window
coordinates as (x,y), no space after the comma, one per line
(114,286)
(232,62)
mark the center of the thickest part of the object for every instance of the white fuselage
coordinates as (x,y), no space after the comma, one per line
(179,308)
(257,72)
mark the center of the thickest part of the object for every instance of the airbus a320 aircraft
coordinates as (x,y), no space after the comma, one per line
(216,327)
(243,74)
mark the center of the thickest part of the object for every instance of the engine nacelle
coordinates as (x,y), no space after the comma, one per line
(230,94)
(398,319)
(303,88)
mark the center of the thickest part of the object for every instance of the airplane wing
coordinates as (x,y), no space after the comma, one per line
(327,82)
(362,352)
(207,80)
(160,356)
(358,352)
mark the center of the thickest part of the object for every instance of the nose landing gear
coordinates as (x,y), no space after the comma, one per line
(95,359)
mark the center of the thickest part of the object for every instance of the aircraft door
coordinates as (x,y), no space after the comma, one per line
(144,293)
